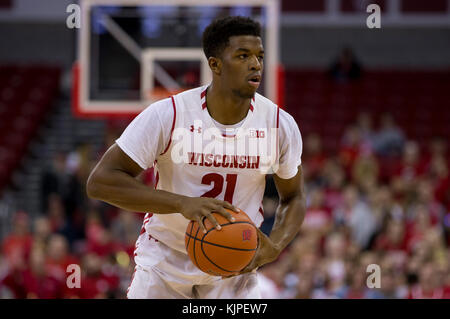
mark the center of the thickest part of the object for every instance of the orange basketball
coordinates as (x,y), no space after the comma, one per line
(222,252)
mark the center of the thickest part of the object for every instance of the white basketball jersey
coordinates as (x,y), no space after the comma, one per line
(200,160)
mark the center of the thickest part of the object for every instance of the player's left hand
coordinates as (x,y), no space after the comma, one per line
(266,253)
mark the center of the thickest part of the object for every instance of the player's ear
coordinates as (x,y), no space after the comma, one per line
(215,64)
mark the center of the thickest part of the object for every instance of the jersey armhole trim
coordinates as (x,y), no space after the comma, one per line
(278,133)
(173,125)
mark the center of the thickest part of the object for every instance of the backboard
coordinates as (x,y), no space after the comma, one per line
(132,53)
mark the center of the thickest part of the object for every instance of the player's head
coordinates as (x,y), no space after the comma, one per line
(235,53)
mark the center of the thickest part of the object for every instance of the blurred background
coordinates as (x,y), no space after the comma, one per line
(373,107)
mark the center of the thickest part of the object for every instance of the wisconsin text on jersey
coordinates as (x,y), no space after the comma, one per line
(248,148)
(219,160)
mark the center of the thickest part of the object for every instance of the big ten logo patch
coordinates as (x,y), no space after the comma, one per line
(257,134)
(246,234)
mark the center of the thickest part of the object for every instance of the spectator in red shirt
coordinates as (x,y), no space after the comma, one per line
(318,217)
(407,172)
(58,257)
(410,165)
(96,283)
(41,231)
(350,148)
(313,157)
(356,287)
(418,226)
(426,196)
(429,285)
(365,170)
(34,280)
(335,180)
(38,280)
(440,176)
(99,239)
(393,238)
(437,149)
(18,243)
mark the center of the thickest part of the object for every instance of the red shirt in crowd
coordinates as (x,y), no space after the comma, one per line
(348,156)
(333,197)
(385,243)
(416,292)
(409,171)
(317,217)
(58,268)
(315,164)
(94,286)
(15,243)
(26,284)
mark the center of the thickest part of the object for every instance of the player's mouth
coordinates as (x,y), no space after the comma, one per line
(254,80)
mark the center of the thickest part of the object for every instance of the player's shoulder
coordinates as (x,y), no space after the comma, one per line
(191,97)
(159,106)
(286,119)
(161,109)
(263,102)
(191,93)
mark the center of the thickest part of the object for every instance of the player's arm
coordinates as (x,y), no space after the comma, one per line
(290,212)
(288,219)
(113,180)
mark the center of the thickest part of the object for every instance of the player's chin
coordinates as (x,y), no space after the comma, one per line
(248,92)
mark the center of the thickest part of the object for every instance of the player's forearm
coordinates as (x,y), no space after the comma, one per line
(289,218)
(122,190)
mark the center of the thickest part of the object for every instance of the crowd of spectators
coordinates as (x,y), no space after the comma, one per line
(70,229)
(380,199)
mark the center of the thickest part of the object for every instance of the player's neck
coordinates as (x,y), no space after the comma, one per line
(224,106)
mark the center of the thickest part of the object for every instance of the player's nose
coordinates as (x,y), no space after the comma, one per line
(255,64)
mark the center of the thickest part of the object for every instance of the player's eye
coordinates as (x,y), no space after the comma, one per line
(261,57)
(242,56)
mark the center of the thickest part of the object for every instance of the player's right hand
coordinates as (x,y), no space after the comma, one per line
(196,208)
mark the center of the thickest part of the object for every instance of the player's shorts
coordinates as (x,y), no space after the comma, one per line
(165,273)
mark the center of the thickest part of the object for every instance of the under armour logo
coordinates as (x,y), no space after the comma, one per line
(198,129)
(246,234)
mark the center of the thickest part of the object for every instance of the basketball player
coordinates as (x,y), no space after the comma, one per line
(205,181)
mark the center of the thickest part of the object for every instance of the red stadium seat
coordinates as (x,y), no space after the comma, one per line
(418,100)
(21,113)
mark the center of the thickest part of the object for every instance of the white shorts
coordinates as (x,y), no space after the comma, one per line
(165,273)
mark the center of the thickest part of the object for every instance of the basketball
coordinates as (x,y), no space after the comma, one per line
(222,252)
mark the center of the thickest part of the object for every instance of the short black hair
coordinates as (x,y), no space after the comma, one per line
(216,36)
